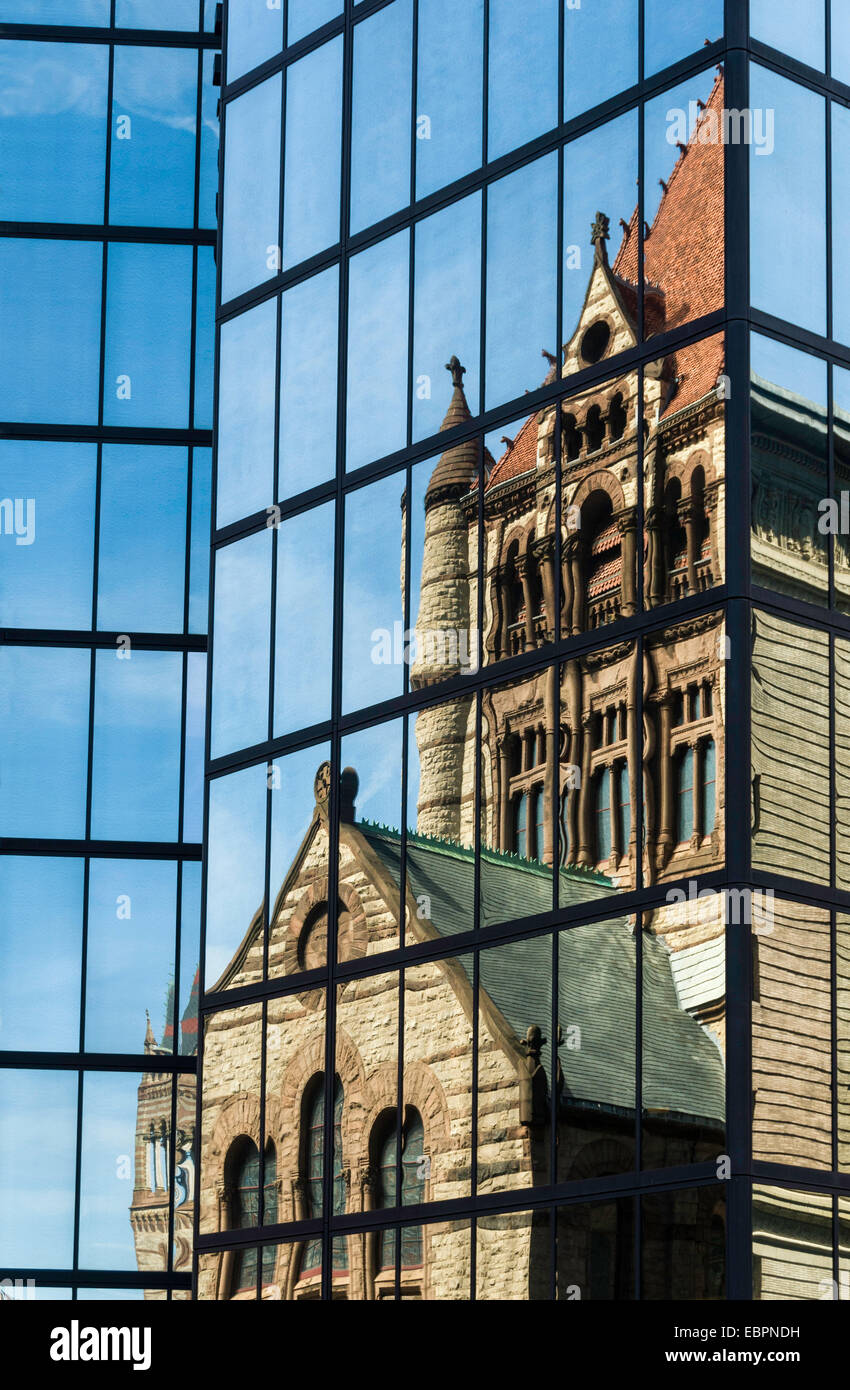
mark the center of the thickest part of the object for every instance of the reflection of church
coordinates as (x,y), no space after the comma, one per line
(564,762)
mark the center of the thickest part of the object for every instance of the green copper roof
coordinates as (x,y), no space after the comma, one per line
(682,1067)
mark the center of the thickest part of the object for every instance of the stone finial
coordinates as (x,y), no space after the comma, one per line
(348,785)
(322,784)
(150,1040)
(599,233)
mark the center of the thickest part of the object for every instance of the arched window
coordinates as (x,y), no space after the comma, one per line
(602,813)
(521,825)
(708,786)
(312,1165)
(572,438)
(594,429)
(684,770)
(538,802)
(412,1184)
(623,807)
(603,560)
(617,418)
(243,1170)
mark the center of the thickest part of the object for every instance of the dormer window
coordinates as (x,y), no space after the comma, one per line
(595,342)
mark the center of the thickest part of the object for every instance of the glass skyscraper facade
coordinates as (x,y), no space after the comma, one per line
(109,147)
(505,954)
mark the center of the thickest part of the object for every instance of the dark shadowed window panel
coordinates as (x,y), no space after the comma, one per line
(522,73)
(602,814)
(45,694)
(148,335)
(49,365)
(520,845)
(787,179)
(412,1186)
(48,526)
(708,786)
(53,131)
(37,1232)
(381,115)
(684,791)
(246,1210)
(596,1249)
(236,875)
(313,146)
(783,25)
(623,807)
(44,901)
(448,91)
(250,249)
(254,33)
(152,151)
(600,52)
(683,1245)
(313,1169)
(666,41)
(239,706)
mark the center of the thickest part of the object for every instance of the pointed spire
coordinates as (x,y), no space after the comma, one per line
(457,468)
(150,1040)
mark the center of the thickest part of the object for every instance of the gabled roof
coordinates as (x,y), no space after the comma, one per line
(683,274)
(682,1069)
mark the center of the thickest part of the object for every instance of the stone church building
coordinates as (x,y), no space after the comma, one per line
(565,760)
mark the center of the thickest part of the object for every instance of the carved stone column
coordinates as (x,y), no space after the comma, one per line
(506,745)
(655,578)
(627,524)
(665,834)
(544,552)
(585,837)
(525,580)
(687,518)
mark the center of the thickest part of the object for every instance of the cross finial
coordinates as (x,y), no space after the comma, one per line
(457,371)
(600,230)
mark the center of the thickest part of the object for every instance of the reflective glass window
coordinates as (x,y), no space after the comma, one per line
(142,538)
(44,731)
(148,335)
(600,52)
(523,73)
(782,24)
(313,148)
(381,112)
(246,406)
(668,41)
(240,674)
(236,872)
(376,402)
(157,14)
(43,901)
(448,91)
(37,1179)
(308,355)
(304,619)
(53,131)
(303,16)
(254,33)
(250,245)
(152,151)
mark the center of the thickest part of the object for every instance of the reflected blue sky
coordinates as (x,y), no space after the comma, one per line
(107,1167)
(236,862)
(44,753)
(142,552)
(448,93)
(600,174)
(371,591)
(303,16)
(778,23)
(304,627)
(246,413)
(251,189)
(308,356)
(37,1178)
(600,52)
(152,173)
(313,148)
(446,309)
(136,754)
(381,113)
(240,675)
(148,335)
(522,73)
(43,900)
(254,33)
(665,43)
(293,804)
(376,401)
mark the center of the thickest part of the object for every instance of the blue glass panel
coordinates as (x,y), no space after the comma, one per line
(600,52)
(208,184)
(199,543)
(521,309)
(293,803)
(305,586)
(840,221)
(376,418)
(602,787)
(308,354)
(250,246)
(624,807)
(254,33)
(42,901)
(240,675)
(47,495)
(840,45)
(306,15)
(142,543)
(313,151)
(449,91)
(107,1170)
(38,1142)
(136,759)
(148,335)
(50,291)
(381,115)
(56,12)
(668,41)
(130,952)
(53,131)
(446,310)
(523,73)
(152,159)
(786,26)
(193,777)
(157,14)
(235,863)
(373,654)
(788,273)
(204,338)
(521,825)
(539,823)
(246,413)
(44,693)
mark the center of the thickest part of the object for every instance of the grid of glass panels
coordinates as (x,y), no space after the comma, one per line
(107,236)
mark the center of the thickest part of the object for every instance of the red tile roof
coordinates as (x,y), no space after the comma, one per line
(683,270)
